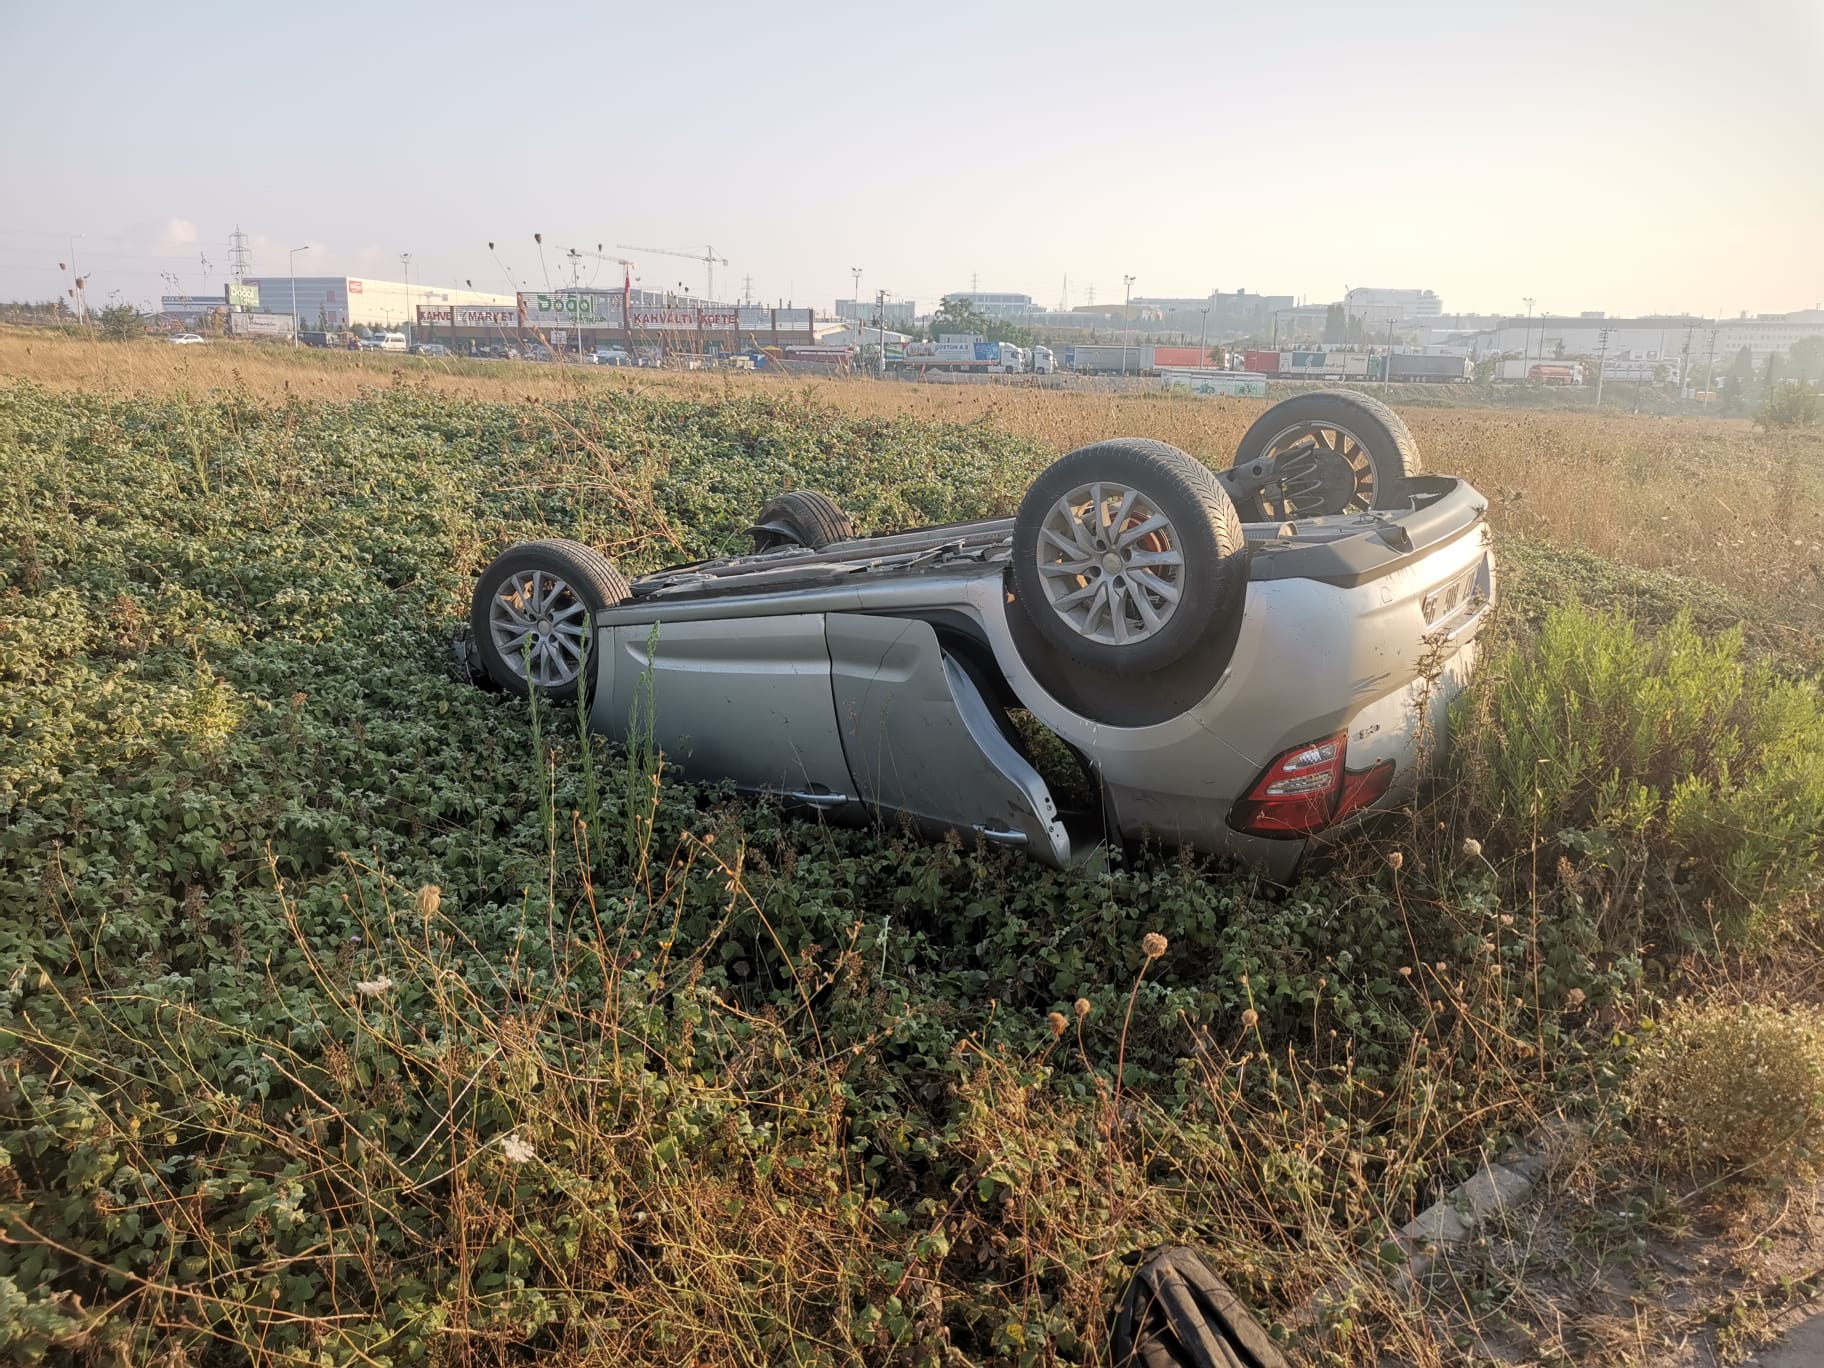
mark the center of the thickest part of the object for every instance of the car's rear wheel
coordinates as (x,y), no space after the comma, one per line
(532,618)
(1128,556)
(1334,451)
(800,517)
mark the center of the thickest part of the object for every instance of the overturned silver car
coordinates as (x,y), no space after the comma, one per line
(1240,661)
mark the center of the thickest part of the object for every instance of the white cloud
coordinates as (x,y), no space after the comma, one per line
(179,231)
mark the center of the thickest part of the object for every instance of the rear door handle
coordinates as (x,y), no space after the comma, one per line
(818,800)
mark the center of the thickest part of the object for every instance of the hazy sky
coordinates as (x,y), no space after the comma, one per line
(1594,155)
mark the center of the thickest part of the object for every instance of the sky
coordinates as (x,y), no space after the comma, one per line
(1612,155)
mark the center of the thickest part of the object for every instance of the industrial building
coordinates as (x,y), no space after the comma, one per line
(1383,306)
(996,303)
(1651,339)
(350,301)
(869,311)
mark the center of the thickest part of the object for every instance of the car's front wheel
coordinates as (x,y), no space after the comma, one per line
(1128,556)
(532,618)
(800,517)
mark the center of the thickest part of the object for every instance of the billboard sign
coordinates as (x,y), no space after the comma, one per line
(243,295)
(188,306)
(433,313)
(718,320)
(260,325)
(665,320)
(486,316)
(584,308)
(792,320)
(750,319)
(354,287)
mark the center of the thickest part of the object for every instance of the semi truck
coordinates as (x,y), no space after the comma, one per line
(1331,364)
(1426,369)
(973,354)
(1543,372)
(1101,358)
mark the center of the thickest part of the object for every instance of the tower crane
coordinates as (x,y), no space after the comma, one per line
(707,256)
(576,254)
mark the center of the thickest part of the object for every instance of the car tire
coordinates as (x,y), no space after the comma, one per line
(1363,458)
(551,588)
(1139,597)
(800,517)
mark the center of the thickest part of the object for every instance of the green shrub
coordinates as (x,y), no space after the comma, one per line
(1793,404)
(1668,755)
(1734,1085)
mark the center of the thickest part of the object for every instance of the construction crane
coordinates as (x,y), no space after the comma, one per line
(576,254)
(707,256)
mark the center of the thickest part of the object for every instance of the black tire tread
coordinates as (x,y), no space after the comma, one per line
(819,519)
(1160,465)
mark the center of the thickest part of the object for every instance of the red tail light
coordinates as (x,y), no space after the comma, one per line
(1308,788)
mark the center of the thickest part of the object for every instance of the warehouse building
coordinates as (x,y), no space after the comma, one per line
(1653,339)
(350,301)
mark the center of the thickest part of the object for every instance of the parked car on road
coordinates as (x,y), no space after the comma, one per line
(1243,686)
(431,349)
(185,339)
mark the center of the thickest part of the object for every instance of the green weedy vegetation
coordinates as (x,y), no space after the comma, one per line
(350,1015)
(1669,758)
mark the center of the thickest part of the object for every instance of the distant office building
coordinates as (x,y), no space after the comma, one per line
(995,303)
(348,301)
(1231,312)
(868,310)
(1373,305)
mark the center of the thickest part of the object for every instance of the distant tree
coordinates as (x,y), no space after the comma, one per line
(960,316)
(1336,326)
(1743,367)
(1484,370)
(1770,373)
(1357,331)
(121,323)
(1806,357)
(1787,405)
(1734,394)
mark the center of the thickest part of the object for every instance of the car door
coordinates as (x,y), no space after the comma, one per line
(923,741)
(746,699)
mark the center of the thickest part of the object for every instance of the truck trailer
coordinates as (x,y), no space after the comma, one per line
(1098,358)
(1423,369)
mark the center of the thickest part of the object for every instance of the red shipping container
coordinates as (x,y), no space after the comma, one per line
(1261,362)
(1181,356)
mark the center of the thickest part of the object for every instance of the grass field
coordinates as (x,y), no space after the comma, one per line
(350,1015)
(1706,498)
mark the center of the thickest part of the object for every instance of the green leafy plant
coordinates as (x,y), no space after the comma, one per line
(1669,754)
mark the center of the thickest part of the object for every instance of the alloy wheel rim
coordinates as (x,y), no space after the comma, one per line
(1298,476)
(1111,563)
(539,624)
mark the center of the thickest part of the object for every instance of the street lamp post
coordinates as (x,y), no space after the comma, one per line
(1526,340)
(1203,338)
(1127,317)
(405,261)
(880,362)
(294,291)
(856,272)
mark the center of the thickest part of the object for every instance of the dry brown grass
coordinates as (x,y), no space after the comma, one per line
(1707,497)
